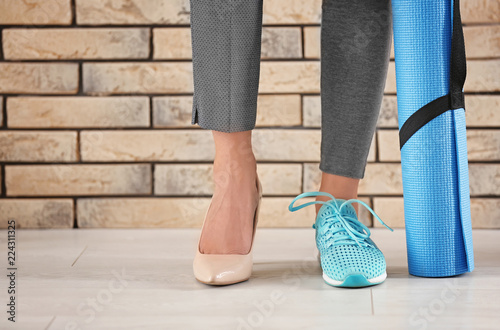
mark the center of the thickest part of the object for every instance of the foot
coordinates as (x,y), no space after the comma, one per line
(349,258)
(347,261)
(338,186)
(229,223)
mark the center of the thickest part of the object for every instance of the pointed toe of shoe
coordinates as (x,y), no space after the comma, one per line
(222,269)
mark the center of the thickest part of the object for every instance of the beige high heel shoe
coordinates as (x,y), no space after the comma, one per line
(223,269)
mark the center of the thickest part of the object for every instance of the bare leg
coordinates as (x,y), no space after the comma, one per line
(226,40)
(229,224)
(339,186)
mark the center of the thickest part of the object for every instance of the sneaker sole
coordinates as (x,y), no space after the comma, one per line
(355,281)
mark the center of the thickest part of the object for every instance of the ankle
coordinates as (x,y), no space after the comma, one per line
(339,187)
(233,149)
(235,164)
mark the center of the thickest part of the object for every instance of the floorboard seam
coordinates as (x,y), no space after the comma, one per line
(50,323)
(371,301)
(74,262)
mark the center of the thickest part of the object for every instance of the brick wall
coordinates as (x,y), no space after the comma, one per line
(96,109)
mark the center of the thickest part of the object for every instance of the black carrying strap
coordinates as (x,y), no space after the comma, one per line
(455,98)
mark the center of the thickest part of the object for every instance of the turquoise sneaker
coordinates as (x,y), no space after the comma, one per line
(349,258)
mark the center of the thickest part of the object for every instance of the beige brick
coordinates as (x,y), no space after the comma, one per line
(173,111)
(480,11)
(74,112)
(311,109)
(292,12)
(37,213)
(39,78)
(180,213)
(39,12)
(147,145)
(286,144)
(482,41)
(37,146)
(482,145)
(485,212)
(141,212)
(388,145)
(372,153)
(58,180)
(380,179)
(312,44)
(289,77)
(197,179)
(483,76)
(278,110)
(388,116)
(484,179)
(272,110)
(124,78)
(274,213)
(390,210)
(390,84)
(280,179)
(482,110)
(1,111)
(185,179)
(363,214)
(172,43)
(281,42)
(79,43)
(95,12)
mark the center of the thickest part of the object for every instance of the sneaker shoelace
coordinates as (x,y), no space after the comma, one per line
(340,229)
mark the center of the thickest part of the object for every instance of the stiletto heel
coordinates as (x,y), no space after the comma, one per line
(223,269)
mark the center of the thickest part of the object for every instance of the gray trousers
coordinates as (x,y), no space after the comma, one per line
(355,50)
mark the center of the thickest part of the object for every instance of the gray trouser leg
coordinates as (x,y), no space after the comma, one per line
(355,45)
(355,50)
(226,38)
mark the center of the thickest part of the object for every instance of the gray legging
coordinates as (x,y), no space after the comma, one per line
(355,49)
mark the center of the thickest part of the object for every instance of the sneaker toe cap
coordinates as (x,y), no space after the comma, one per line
(341,261)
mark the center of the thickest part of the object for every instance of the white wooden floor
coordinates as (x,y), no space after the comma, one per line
(142,279)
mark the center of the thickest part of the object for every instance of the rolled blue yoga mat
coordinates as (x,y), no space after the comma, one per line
(430,72)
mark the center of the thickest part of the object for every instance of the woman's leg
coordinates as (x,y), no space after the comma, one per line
(355,50)
(226,39)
